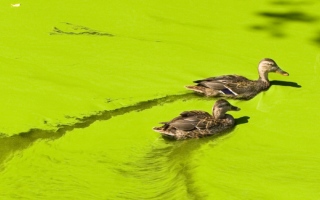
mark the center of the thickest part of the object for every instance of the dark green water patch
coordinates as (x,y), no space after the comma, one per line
(66,28)
(72,29)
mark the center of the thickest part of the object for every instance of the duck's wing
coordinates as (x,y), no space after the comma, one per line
(189,120)
(223,78)
(188,116)
(228,84)
(198,113)
(191,123)
(241,87)
(184,125)
(187,123)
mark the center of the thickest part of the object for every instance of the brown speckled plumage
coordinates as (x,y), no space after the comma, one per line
(235,86)
(197,124)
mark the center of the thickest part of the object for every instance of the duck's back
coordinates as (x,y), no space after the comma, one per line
(231,86)
(224,78)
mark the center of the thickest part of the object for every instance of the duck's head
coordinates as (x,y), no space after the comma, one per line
(268,65)
(220,108)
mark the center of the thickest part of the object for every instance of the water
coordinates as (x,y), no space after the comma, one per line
(79,104)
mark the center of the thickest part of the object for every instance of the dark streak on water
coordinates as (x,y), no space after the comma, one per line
(79,30)
(23,140)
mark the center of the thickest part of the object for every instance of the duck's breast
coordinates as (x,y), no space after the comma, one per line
(223,125)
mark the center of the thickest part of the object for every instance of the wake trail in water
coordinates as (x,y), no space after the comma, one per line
(23,140)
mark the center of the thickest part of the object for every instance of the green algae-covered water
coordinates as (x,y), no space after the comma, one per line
(83,82)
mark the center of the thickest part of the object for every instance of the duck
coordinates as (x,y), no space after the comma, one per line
(198,124)
(235,86)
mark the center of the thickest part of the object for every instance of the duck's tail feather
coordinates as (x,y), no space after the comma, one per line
(197,81)
(163,132)
(196,88)
(158,129)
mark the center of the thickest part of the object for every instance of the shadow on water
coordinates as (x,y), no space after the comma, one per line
(276,22)
(242,120)
(289,16)
(286,3)
(285,83)
(316,39)
(23,140)
(170,167)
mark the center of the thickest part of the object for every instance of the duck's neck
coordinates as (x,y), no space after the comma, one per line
(263,77)
(218,114)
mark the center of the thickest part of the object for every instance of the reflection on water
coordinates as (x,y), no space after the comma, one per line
(168,170)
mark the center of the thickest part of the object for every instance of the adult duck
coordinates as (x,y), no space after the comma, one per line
(197,124)
(238,87)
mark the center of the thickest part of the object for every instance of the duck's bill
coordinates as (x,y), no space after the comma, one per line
(279,71)
(235,108)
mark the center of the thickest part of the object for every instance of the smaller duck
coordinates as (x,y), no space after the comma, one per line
(197,124)
(238,87)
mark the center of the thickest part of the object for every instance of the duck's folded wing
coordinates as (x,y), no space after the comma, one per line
(203,124)
(219,86)
(184,125)
(240,87)
(228,84)
(193,122)
(213,85)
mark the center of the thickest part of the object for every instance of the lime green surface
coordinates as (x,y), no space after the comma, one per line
(82,84)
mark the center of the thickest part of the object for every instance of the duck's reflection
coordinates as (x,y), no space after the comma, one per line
(169,168)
